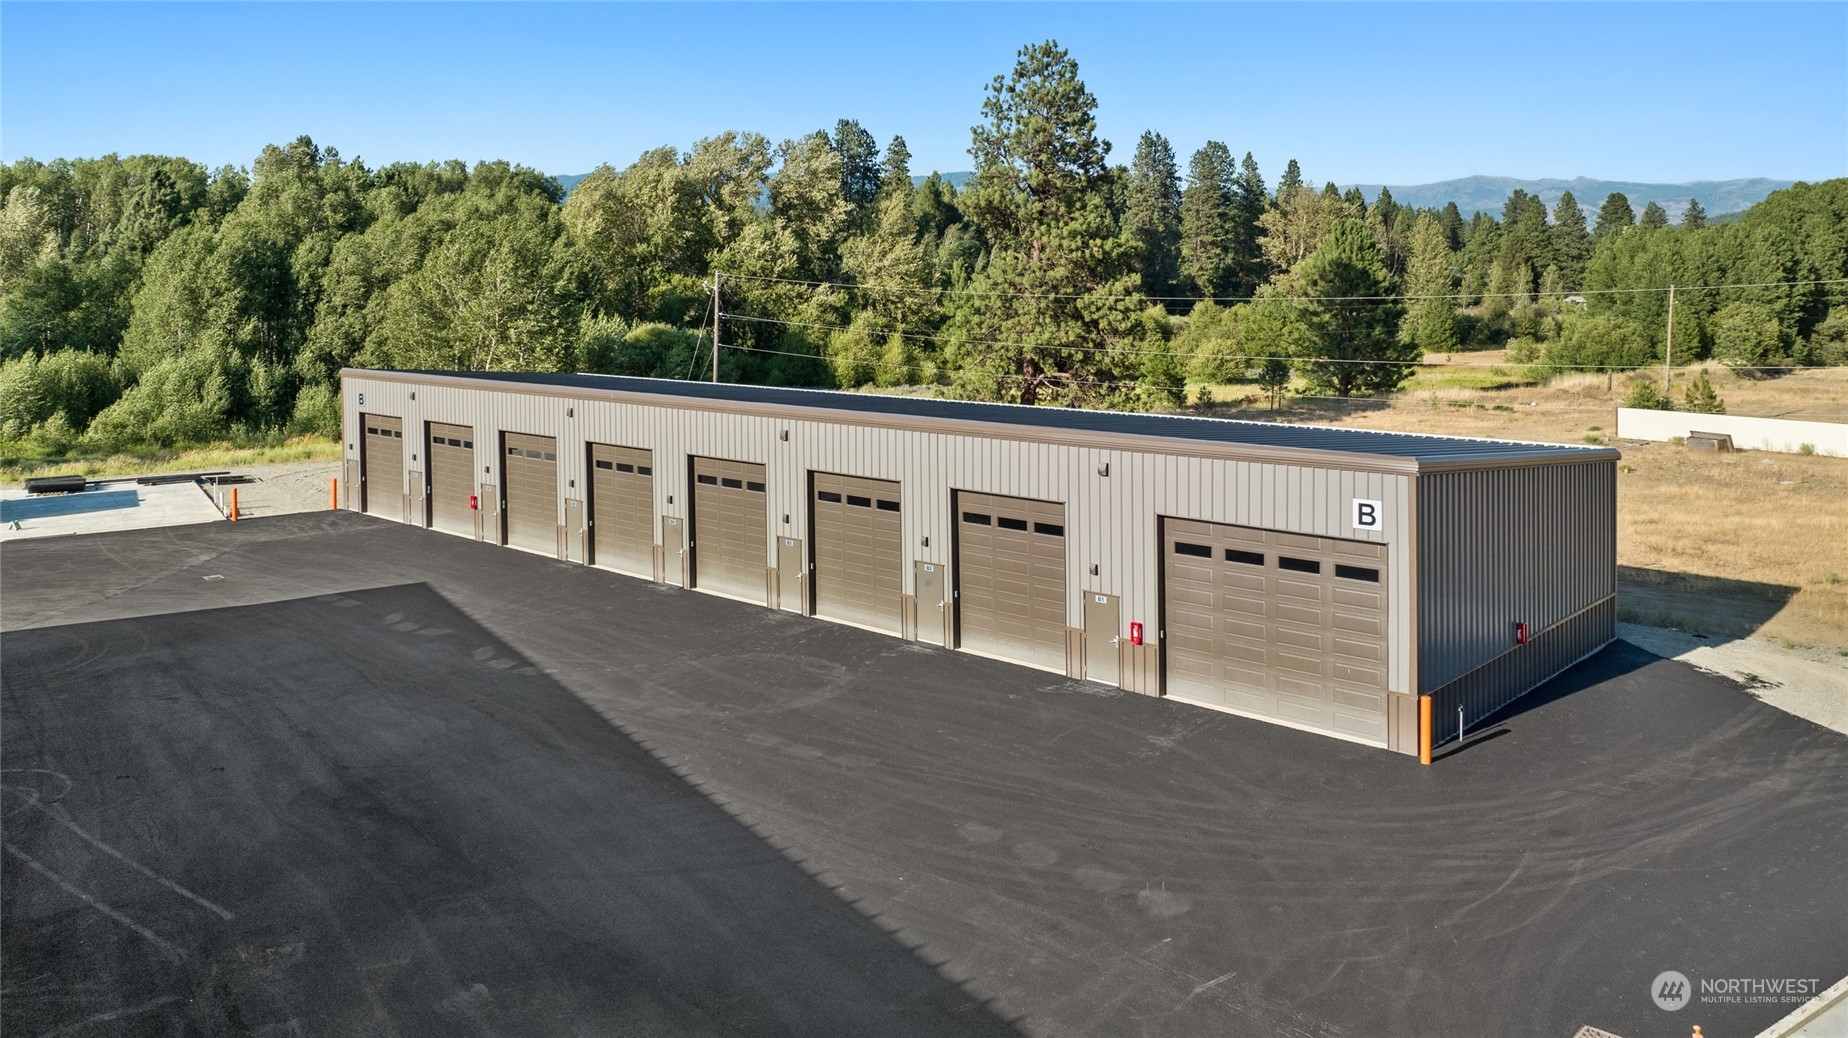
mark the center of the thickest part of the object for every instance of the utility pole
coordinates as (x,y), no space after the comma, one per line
(1668,359)
(715,324)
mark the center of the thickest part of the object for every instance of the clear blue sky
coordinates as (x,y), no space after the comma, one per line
(1392,93)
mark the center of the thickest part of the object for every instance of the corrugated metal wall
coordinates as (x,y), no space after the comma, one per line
(1113,518)
(1536,544)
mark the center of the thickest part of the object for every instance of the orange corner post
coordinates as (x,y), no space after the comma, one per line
(1424,729)
(333,494)
(234,504)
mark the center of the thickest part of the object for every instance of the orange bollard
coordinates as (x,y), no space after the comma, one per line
(1424,729)
(234,504)
(333,494)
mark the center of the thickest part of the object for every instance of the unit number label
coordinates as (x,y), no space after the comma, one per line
(1367,515)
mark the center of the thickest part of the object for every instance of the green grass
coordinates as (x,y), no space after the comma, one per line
(217,456)
(1463,376)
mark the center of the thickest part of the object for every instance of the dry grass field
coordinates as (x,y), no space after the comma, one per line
(1724,545)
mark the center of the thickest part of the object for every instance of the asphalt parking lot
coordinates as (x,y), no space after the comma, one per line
(323,774)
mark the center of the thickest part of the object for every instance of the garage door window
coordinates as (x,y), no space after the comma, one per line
(1248,558)
(1298,565)
(1049,529)
(829,496)
(1366,573)
(975,519)
(1198,551)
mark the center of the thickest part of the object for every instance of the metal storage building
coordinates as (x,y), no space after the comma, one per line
(1334,580)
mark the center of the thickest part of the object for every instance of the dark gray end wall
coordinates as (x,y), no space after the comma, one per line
(1536,544)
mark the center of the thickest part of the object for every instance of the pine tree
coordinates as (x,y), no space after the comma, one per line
(1432,319)
(1248,204)
(1392,227)
(1654,217)
(1571,242)
(1356,202)
(1152,215)
(895,172)
(859,162)
(1060,281)
(1700,397)
(1613,216)
(1208,222)
(1291,180)
(1694,217)
(1345,268)
(1452,220)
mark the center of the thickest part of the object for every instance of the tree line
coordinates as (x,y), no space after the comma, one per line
(146,301)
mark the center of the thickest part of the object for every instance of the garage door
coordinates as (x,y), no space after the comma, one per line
(730,529)
(1277,625)
(382,461)
(1010,578)
(451,451)
(622,509)
(858,551)
(530,475)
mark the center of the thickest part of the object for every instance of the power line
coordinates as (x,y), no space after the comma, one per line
(1282,299)
(1133,352)
(879,365)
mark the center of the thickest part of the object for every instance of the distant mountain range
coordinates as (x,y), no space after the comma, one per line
(1488,194)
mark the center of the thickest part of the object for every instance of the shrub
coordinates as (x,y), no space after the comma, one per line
(317,411)
(1645,395)
(1700,398)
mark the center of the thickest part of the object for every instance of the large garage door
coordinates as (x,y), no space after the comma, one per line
(858,551)
(530,475)
(1010,578)
(382,466)
(730,529)
(1277,625)
(622,509)
(451,451)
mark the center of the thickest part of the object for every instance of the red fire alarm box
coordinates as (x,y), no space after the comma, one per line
(474,503)
(1520,633)
(1135,633)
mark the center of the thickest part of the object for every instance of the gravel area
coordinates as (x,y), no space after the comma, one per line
(1810,683)
(300,486)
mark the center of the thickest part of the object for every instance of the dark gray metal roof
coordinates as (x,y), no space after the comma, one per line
(1418,446)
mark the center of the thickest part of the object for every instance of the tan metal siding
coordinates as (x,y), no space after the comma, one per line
(622,508)
(451,467)
(1112,518)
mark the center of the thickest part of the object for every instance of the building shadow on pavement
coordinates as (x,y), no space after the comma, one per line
(365,814)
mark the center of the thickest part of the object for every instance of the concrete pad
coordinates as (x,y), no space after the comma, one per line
(373,779)
(103,507)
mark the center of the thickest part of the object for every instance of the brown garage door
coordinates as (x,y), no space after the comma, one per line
(1010,578)
(382,466)
(858,551)
(451,450)
(1277,625)
(530,477)
(622,509)
(730,529)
